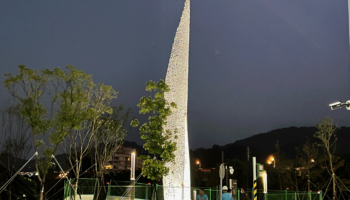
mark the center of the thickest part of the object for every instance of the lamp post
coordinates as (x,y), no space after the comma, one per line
(132,165)
(272,159)
(199,164)
(265,184)
(338,104)
(132,173)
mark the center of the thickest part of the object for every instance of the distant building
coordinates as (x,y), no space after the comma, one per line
(121,160)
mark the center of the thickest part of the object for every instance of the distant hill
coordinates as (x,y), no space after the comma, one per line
(262,145)
(288,139)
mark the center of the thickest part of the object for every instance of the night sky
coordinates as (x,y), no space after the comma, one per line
(255,65)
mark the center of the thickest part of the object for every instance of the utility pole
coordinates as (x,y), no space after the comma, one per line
(308,174)
(248,153)
(226,173)
(248,156)
(255,184)
(222,156)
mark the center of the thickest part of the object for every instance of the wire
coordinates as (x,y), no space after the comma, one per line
(58,181)
(11,179)
(330,180)
(25,188)
(17,180)
(63,172)
(61,179)
(79,176)
(340,191)
(118,185)
(342,183)
(132,185)
(319,189)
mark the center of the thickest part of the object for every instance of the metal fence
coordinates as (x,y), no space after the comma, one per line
(124,190)
(287,195)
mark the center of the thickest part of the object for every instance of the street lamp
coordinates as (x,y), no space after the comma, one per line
(132,165)
(199,164)
(132,172)
(338,104)
(272,159)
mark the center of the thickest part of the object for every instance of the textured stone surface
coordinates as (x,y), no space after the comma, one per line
(177,184)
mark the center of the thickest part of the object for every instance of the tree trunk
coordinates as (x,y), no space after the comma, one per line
(10,186)
(154,191)
(279,179)
(42,182)
(41,195)
(334,190)
(10,174)
(98,190)
(77,173)
(333,175)
(76,190)
(10,192)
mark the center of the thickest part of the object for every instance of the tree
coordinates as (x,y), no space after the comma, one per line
(108,138)
(158,141)
(326,133)
(54,103)
(28,87)
(283,169)
(310,153)
(14,141)
(98,101)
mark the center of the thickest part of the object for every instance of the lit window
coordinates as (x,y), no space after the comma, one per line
(109,167)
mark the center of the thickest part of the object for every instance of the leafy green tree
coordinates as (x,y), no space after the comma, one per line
(98,101)
(108,138)
(158,141)
(55,103)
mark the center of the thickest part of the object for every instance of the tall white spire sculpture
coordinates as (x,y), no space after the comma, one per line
(177,184)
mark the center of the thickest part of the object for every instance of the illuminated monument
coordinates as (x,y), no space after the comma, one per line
(177,184)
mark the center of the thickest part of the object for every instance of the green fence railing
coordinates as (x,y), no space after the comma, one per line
(123,190)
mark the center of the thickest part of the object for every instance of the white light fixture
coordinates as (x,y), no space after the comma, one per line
(338,104)
(231,170)
(132,166)
(265,181)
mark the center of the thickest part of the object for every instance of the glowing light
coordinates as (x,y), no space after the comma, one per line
(132,168)
(63,175)
(197,162)
(265,181)
(270,160)
(177,184)
(312,160)
(109,167)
